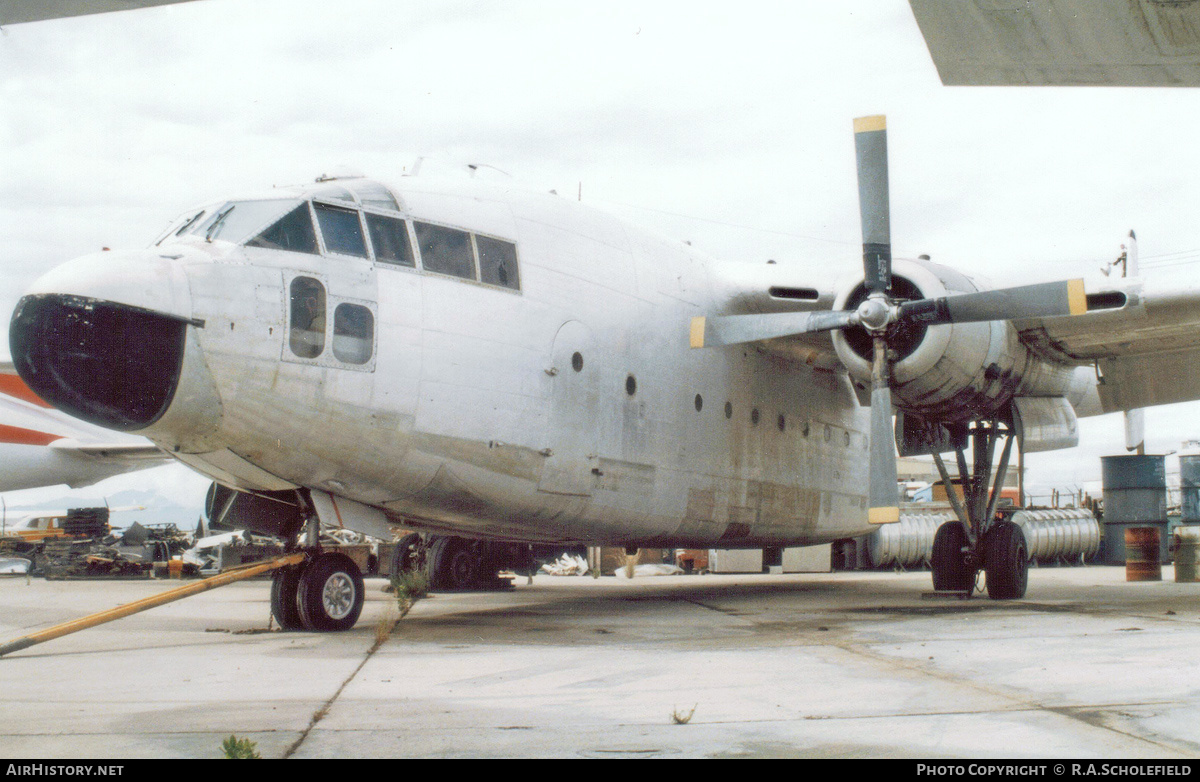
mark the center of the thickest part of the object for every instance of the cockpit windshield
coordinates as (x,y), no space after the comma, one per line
(236,221)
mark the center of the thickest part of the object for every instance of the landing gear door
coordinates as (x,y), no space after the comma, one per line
(571,434)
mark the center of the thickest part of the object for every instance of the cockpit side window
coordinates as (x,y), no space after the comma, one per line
(389,237)
(353,333)
(293,232)
(341,229)
(307,335)
(445,250)
(498,262)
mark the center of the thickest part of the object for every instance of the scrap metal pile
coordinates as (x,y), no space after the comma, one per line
(91,550)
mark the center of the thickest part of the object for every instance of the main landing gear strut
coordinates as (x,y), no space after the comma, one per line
(976,540)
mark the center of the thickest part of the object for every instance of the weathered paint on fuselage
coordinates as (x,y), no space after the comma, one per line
(472,417)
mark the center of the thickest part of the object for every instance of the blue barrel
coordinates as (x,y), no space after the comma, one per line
(1189,486)
(1135,495)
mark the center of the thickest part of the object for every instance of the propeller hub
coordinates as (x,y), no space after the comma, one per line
(875,314)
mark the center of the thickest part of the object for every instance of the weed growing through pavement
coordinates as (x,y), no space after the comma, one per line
(240,749)
(409,587)
(679,718)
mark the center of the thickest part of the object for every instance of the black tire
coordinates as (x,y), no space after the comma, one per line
(403,554)
(455,564)
(330,594)
(951,573)
(285,606)
(1006,561)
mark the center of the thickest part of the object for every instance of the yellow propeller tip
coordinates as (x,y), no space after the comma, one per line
(868,124)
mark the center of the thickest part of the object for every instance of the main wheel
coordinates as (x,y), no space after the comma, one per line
(331,593)
(951,573)
(455,564)
(1006,561)
(285,585)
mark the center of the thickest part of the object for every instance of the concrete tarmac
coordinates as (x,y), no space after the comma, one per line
(821,665)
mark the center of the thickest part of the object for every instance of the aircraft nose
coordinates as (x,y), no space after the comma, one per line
(105,338)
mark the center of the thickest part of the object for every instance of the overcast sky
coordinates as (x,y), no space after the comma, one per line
(728,124)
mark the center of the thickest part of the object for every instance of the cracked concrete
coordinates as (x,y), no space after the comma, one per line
(823,665)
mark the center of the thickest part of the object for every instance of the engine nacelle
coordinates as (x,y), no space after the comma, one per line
(952,372)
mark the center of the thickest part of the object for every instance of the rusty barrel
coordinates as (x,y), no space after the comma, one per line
(1142,559)
(1186,544)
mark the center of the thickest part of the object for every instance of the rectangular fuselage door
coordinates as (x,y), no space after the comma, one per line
(574,399)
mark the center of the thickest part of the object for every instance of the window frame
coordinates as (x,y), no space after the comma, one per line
(408,234)
(326,358)
(372,337)
(479,261)
(470,243)
(312,221)
(362,228)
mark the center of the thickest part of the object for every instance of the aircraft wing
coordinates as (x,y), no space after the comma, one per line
(1146,352)
(19,11)
(1120,43)
(39,446)
(1140,335)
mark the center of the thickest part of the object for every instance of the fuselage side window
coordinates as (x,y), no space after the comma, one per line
(445,250)
(341,230)
(389,237)
(353,333)
(293,232)
(307,335)
(498,262)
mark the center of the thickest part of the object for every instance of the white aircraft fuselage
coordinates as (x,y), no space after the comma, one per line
(527,377)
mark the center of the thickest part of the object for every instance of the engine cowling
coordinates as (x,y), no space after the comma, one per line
(952,372)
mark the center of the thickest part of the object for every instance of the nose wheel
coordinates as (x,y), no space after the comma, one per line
(324,595)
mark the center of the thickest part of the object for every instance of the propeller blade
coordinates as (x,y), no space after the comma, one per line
(884,497)
(870,148)
(1027,301)
(736,329)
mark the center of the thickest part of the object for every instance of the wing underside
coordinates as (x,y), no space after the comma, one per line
(1146,352)
(40,446)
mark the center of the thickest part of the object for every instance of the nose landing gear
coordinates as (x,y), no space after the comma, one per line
(323,594)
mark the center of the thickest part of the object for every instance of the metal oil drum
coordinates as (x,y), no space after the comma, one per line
(1062,535)
(1185,542)
(1189,488)
(1142,560)
(909,542)
(1067,535)
(1135,495)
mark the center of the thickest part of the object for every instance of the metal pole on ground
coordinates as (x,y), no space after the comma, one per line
(171,595)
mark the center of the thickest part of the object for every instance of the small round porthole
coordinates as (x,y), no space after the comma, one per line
(630,385)
(577,362)
(699,403)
